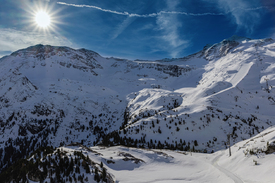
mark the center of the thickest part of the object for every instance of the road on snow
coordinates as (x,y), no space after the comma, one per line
(231,175)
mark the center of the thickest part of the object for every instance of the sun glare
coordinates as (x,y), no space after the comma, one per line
(42,19)
(43,16)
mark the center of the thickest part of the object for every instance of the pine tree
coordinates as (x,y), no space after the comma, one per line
(87,168)
(104,175)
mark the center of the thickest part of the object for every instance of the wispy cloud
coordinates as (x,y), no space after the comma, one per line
(241,12)
(12,40)
(123,26)
(169,26)
(128,21)
(230,10)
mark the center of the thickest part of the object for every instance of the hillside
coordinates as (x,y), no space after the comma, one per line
(54,96)
(250,162)
(230,94)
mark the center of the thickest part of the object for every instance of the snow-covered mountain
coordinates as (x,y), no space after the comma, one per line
(58,95)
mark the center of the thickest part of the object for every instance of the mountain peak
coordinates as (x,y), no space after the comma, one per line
(41,49)
(86,51)
(42,52)
(235,38)
(222,48)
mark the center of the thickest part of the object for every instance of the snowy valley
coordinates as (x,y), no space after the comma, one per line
(140,121)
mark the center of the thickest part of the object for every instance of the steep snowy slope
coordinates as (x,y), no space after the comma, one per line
(58,95)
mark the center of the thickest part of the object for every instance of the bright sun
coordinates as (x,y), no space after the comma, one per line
(42,19)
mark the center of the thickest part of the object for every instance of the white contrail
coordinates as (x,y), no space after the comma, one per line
(161,12)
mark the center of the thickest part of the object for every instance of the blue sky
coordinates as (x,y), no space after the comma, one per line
(143,29)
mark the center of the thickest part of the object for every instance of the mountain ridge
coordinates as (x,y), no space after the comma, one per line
(58,95)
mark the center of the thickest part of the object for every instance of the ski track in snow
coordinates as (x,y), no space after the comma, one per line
(231,175)
(237,78)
